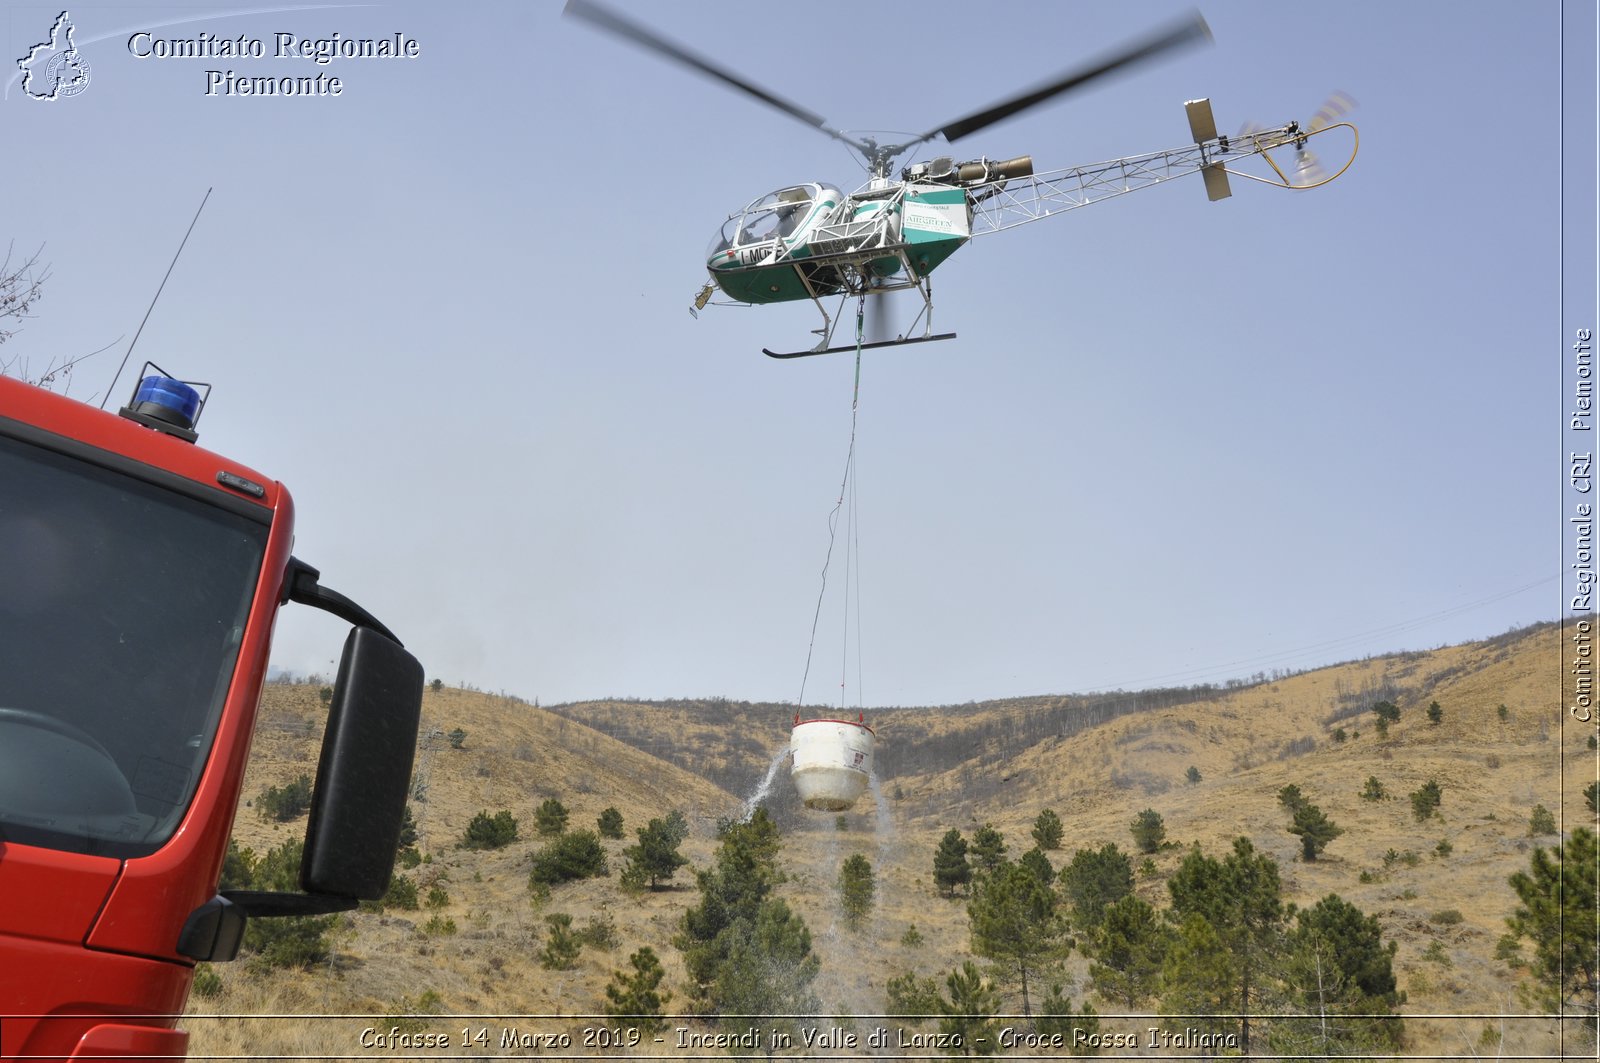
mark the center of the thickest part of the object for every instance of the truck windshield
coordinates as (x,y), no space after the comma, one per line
(122,606)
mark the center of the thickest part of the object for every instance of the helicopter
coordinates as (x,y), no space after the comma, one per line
(813,241)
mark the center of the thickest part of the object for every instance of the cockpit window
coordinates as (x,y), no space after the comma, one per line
(122,607)
(779,215)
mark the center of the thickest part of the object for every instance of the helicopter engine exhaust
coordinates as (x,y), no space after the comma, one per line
(946,171)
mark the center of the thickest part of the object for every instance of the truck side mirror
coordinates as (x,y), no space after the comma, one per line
(364,776)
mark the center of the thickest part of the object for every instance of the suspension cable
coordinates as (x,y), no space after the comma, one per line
(845,485)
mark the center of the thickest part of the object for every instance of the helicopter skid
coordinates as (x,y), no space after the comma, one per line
(859,347)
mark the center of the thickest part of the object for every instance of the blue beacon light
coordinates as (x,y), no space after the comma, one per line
(167,400)
(166,404)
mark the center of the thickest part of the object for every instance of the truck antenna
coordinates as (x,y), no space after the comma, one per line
(152,305)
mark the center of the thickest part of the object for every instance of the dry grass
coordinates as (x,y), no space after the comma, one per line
(1246,744)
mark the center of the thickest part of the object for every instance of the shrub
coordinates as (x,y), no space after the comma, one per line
(207,982)
(600,933)
(1193,774)
(295,941)
(1447,916)
(561,946)
(286,802)
(573,856)
(491,832)
(1374,790)
(1542,821)
(1425,800)
(1048,829)
(458,738)
(551,818)
(439,926)
(402,893)
(913,999)
(1149,831)
(610,824)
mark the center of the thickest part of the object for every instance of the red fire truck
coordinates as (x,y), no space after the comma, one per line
(140,577)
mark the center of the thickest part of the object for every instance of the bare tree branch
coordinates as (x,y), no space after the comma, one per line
(20,287)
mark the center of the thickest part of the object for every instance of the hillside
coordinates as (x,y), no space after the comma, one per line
(1096,761)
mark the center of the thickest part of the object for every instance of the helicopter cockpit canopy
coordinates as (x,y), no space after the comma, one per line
(777,215)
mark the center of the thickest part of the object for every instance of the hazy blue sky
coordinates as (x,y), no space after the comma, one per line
(1175,441)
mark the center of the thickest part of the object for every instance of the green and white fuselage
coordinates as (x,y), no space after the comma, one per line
(813,240)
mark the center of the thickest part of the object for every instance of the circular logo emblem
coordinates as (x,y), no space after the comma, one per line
(66,74)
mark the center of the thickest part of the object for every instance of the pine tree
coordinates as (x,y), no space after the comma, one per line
(561,945)
(856,890)
(1129,947)
(1338,985)
(1291,798)
(1094,879)
(1199,978)
(1425,800)
(1558,914)
(988,848)
(950,866)
(1013,922)
(1047,829)
(733,894)
(768,971)
(610,824)
(491,832)
(550,817)
(656,858)
(1038,863)
(408,830)
(1149,831)
(969,1013)
(576,855)
(912,999)
(1056,1019)
(295,941)
(1240,898)
(1315,830)
(637,997)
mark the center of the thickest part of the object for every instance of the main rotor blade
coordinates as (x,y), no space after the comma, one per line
(1188,30)
(624,27)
